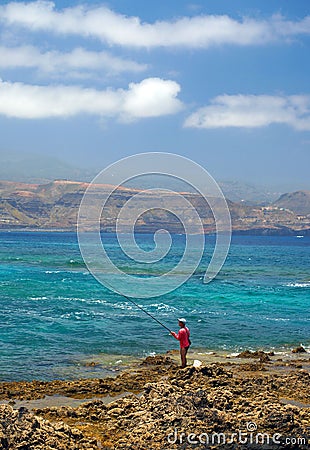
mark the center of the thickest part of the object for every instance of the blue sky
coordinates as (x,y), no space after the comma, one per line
(224,83)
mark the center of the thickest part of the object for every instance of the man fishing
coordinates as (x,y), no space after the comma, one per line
(183,337)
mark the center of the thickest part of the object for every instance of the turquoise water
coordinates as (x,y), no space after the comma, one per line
(54,314)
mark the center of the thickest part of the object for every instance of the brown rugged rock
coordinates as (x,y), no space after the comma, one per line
(161,402)
(299,349)
(262,356)
(20,429)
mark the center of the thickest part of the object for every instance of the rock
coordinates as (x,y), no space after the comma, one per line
(299,349)
(262,356)
(115,411)
(213,398)
(20,429)
(91,364)
(157,360)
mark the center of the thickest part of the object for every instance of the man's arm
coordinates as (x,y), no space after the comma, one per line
(176,336)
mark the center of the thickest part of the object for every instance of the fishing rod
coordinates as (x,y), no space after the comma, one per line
(138,306)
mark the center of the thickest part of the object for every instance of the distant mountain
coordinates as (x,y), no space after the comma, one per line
(35,168)
(54,206)
(248,193)
(234,190)
(298,202)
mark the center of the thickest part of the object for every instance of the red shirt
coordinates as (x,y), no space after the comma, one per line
(182,336)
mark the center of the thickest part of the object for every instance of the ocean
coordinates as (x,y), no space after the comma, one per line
(56,318)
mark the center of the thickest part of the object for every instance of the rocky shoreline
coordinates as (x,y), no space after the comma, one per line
(54,207)
(254,401)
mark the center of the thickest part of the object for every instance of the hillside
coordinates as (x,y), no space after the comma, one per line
(298,202)
(54,206)
(249,193)
(38,168)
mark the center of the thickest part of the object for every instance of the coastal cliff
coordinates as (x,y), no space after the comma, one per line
(54,206)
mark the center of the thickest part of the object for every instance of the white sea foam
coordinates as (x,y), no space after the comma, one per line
(122,306)
(101,302)
(277,319)
(298,285)
(163,306)
(82,300)
(79,299)
(65,271)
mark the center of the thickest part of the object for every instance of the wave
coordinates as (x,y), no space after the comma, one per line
(277,319)
(299,285)
(54,271)
(65,271)
(79,299)
(74,263)
(162,307)
(126,306)
(71,299)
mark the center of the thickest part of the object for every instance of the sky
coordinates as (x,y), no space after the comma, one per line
(225,83)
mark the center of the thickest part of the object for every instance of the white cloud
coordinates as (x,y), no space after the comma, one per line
(151,97)
(113,28)
(58,63)
(253,111)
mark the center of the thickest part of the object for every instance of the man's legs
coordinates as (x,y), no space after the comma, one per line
(183,352)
